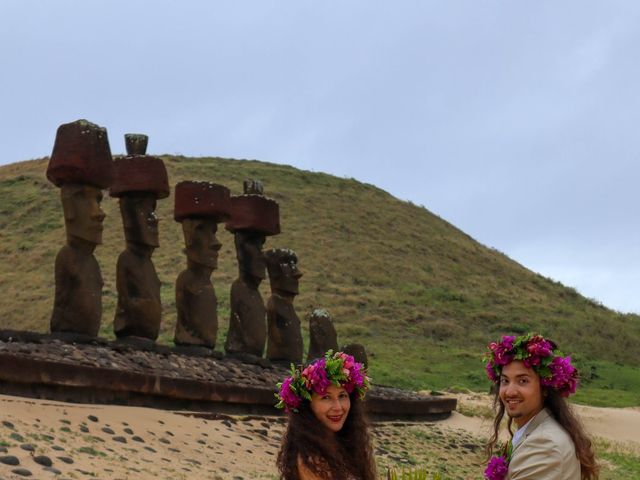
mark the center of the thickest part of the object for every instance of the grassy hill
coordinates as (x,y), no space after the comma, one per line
(423,296)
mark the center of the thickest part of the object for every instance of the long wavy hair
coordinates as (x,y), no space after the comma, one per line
(340,456)
(564,415)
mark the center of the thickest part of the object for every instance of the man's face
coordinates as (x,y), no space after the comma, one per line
(82,213)
(250,256)
(139,218)
(520,392)
(202,243)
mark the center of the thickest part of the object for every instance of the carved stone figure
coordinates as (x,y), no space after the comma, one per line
(322,334)
(139,181)
(253,217)
(358,352)
(81,165)
(199,206)
(285,336)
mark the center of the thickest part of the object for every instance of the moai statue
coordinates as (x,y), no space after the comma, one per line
(285,336)
(82,166)
(140,180)
(253,217)
(322,334)
(199,206)
(358,352)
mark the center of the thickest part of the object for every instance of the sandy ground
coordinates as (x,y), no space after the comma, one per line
(616,425)
(112,442)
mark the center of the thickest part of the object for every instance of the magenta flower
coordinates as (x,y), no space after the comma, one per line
(315,376)
(491,373)
(497,469)
(537,353)
(289,397)
(539,347)
(502,354)
(337,369)
(563,376)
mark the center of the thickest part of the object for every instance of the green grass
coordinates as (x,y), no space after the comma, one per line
(421,295)
(617,462)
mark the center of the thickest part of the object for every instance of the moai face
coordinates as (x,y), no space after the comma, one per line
(283,271)
(139,217)
(201,241)
(288,280)
(249,251)
(83,216)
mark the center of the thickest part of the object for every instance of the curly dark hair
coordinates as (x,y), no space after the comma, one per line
(340,456)
(564,415)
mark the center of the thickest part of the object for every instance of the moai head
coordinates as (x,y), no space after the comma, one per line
(253,218)
(284,274)
(322,334)
(200,206)
(139,181)
(81,165)
(83,216)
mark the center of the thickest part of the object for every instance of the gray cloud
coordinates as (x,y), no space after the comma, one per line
(514,121)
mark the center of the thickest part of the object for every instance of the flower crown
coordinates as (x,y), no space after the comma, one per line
(337,369)
(535,352)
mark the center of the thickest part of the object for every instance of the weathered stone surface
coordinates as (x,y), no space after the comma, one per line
(9,460)
(202,200)
(140,173)
(81,154)
(140,180)
(23,472)
(285,335)
(81,165)
(43,460)
(358,352)
(51,362)
(136,143)
(256,213)
(322,335)
(200,206)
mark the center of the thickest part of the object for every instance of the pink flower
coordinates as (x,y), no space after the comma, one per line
(502,354)
(540,347)
(491,372)
(316,377)
(563,376)
(289,397)
(496,469)
(347,360)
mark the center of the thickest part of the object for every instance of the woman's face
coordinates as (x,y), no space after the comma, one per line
(332,408)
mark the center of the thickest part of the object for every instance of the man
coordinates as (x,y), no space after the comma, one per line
(532,381)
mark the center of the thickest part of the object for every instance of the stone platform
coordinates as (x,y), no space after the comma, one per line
(99,371)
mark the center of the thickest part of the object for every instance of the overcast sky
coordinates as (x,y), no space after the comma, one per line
(516,121)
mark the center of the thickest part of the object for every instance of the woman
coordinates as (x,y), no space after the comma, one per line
(327,434)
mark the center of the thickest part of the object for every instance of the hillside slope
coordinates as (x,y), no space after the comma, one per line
(423,296)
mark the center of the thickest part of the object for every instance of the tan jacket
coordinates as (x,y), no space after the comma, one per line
(544,452)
